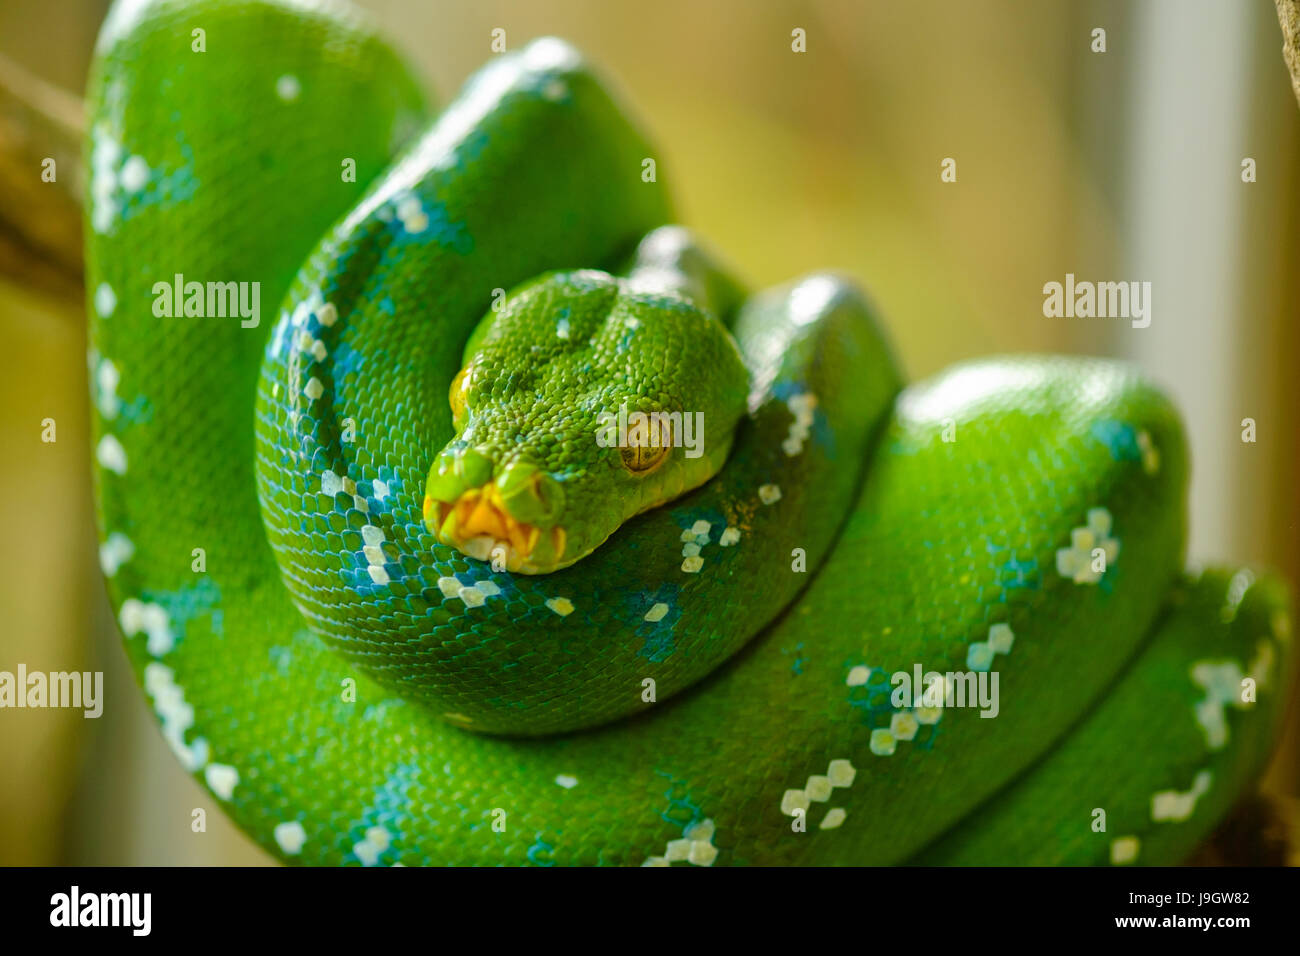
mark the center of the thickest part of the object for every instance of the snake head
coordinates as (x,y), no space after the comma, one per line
(584,400)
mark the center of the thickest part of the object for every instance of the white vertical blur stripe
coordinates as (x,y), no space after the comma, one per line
(1188,106)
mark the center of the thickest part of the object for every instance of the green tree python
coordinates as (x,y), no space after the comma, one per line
(518,531)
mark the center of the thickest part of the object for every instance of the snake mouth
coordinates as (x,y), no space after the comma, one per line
(479,524)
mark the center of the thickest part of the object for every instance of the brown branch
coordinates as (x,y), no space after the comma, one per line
(40,222)
(1261,830)
(1288,14)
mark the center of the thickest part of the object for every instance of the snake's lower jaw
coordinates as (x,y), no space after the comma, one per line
(480,527)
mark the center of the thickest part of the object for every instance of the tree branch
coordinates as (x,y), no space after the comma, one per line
(40,221)
(1288,14)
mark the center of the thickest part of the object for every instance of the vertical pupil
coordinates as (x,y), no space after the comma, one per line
(643,457)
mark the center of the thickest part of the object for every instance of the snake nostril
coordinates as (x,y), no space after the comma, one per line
(474,466)
(550,495)
(455,472)
(542,499)
(515,477)
(443,483)
(529,494)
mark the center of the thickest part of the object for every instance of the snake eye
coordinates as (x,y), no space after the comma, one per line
(645,449)
(640,460)
(456,396)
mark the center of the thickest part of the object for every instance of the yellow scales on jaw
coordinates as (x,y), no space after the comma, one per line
(478,523)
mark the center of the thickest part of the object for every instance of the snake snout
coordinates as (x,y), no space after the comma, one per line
(508,515)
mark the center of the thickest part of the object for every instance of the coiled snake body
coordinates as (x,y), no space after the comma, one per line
(713,683)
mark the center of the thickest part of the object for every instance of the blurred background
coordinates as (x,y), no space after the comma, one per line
(1119,165)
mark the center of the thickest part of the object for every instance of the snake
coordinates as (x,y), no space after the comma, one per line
(519,530)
